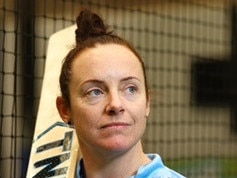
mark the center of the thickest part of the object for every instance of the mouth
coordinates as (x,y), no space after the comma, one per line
(115,124)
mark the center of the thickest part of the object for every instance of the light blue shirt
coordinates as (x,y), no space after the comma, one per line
(155,169)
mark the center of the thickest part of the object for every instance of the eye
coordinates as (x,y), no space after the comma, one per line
(131,90)
(94,92)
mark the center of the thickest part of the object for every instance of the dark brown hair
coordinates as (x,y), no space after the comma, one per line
(90,31)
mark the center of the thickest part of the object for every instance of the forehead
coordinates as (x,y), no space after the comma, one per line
(109,59)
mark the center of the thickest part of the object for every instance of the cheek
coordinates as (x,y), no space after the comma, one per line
(83,122)
(141,118)
(84,117)
(142,107)
(138,114)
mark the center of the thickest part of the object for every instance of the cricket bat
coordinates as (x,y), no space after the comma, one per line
(55,148)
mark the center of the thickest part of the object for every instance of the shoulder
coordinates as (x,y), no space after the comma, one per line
(156,169)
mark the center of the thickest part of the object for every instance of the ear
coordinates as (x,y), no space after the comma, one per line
(63,109)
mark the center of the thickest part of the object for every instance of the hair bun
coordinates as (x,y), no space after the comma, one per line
(89,25)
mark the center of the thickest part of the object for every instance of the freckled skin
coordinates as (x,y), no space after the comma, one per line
(110,65)
(108,106)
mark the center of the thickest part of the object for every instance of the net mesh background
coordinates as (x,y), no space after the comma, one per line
(195,140)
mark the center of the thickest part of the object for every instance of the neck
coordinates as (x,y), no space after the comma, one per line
(124,164)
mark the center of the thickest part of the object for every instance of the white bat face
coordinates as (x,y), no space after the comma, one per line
(55,148)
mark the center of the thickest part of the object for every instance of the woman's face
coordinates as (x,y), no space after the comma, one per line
(108,104)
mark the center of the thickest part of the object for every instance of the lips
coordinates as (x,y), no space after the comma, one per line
(115,124)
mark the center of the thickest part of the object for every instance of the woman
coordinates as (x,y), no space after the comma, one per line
(105,96)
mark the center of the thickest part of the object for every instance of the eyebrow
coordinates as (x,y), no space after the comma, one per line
(130,78)
(91,81)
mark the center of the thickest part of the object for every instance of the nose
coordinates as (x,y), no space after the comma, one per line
(114,105)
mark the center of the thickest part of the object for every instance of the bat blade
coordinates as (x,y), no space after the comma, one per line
(55,148)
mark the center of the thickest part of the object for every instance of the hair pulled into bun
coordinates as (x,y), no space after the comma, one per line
(89,25)
(90,31)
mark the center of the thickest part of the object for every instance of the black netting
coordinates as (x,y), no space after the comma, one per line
(190,126)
